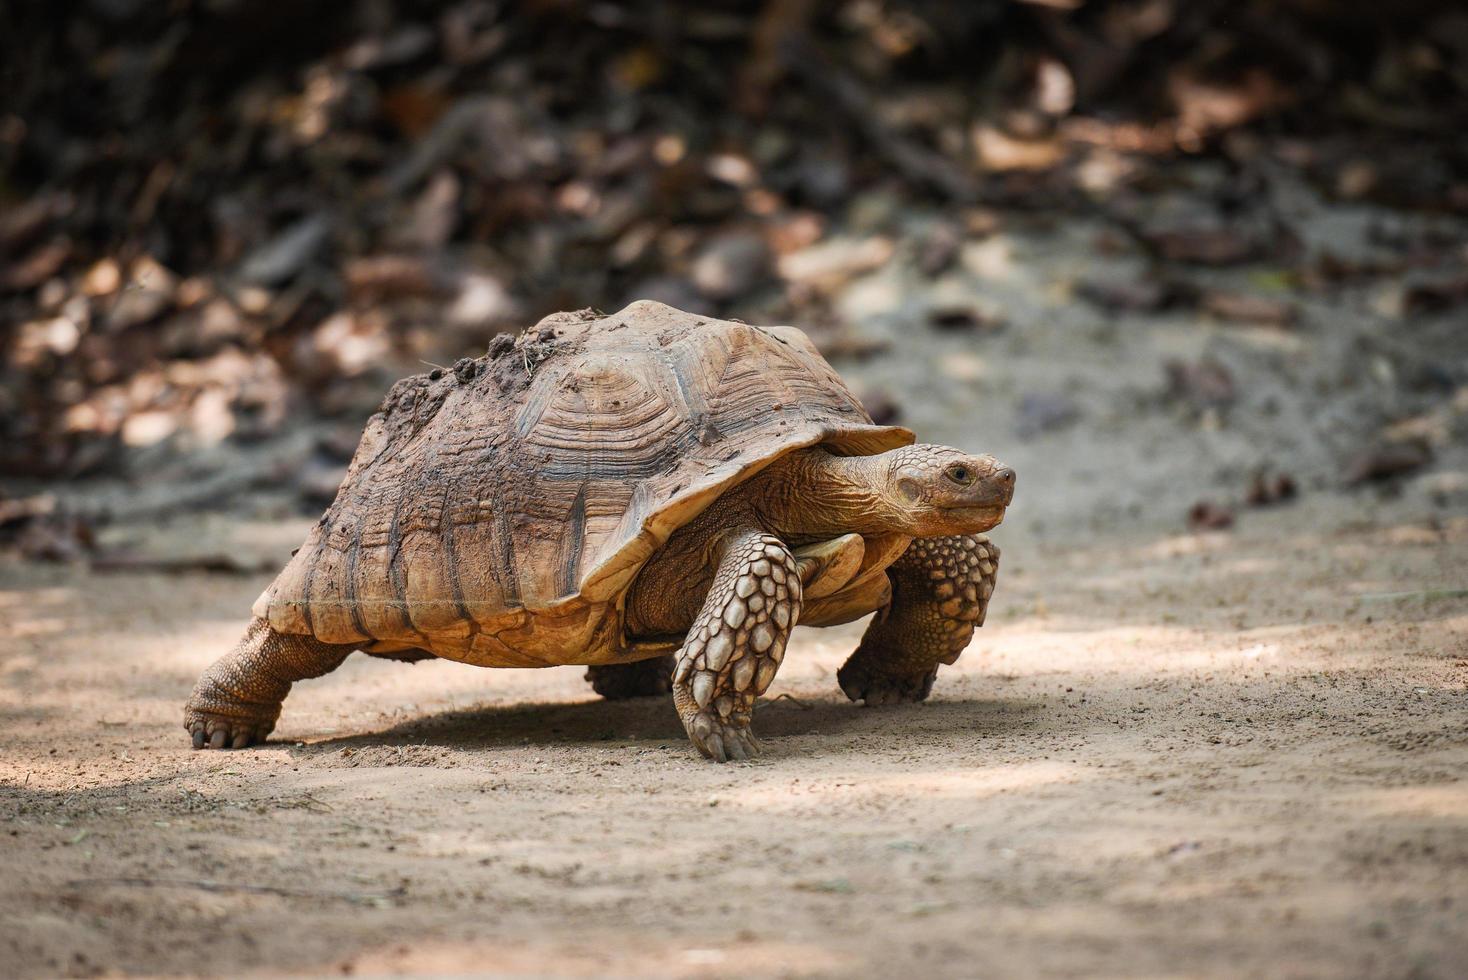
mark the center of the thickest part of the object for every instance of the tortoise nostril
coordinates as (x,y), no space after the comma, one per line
(1005,475)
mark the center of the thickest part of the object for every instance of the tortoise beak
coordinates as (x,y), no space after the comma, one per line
(993,485)
(998,487)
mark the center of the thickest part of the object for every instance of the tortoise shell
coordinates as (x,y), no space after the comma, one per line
(497,513)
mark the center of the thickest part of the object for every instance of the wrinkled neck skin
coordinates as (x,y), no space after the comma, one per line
(812,495)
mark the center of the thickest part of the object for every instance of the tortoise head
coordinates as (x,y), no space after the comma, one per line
(942,490)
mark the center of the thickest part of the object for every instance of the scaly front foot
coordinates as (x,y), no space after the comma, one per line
(736,644)
(940,592)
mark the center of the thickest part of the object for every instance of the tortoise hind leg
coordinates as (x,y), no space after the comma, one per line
(642,679)
(940,592)
(237,700)
(736,644)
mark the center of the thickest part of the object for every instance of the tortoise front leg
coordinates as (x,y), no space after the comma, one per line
(940,591)
(237,700)
(736,644)
(640,679)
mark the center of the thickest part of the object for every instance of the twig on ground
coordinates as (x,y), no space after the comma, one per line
(785,697)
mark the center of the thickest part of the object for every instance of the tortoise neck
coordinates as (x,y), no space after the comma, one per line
(815,494)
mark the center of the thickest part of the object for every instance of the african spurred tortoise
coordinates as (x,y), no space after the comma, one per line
(656,495)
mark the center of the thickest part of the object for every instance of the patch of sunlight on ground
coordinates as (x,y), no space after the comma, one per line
(947,784)
(1448,802)
(30,612)
(605,956)
(1178,545)
(16,598)
(1062,631)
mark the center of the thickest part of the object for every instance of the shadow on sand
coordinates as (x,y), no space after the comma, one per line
(654,720)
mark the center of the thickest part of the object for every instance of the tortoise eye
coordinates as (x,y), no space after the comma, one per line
(961,475)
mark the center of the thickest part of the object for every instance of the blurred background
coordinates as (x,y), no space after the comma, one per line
(1197,269)
(1192,256)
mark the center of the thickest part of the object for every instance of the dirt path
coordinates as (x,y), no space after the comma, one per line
(1193,755)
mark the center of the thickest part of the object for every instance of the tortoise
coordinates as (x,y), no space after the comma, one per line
(656,495)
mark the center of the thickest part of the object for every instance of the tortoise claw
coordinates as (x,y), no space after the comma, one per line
(722,741)
(213,731)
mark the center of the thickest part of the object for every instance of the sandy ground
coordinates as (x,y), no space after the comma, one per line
(1194,755)
(1237,753)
